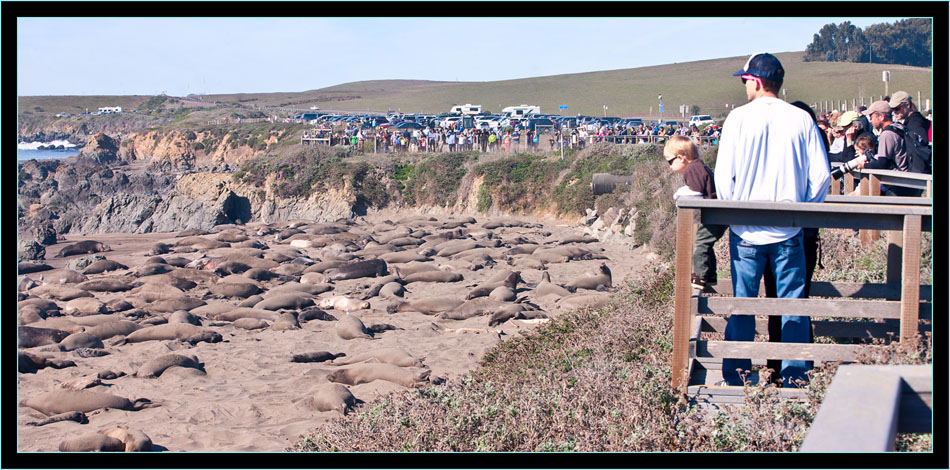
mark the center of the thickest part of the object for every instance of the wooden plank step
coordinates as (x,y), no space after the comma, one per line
(809,307)
(825,328)
(791,351)
(891,291)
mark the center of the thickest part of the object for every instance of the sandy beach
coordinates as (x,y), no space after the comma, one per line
(247,395)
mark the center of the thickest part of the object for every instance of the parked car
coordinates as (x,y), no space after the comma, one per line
(701,120)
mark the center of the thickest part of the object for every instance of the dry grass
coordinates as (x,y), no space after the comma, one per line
(590,381)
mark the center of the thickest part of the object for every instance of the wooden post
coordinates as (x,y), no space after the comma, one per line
(848,183)
(835,186)
(864,235)
(875,190)
(910,278)
(895,243)
(682,318)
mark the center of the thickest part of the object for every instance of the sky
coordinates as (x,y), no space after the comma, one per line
(182,56)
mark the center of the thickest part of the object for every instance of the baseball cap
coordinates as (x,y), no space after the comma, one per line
(763,65)
(899,98)
(846,119)
(878,107)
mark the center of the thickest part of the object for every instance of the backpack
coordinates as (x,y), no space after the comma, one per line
(917,148)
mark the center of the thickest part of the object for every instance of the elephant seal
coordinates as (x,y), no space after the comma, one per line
(107,285)
(172,305)
(103,265)
(85,247)
(29,337)
(294,301)
(343,303)
(330,397)
(235,289)
(502,294)
(66,276)
(249,323)
(366,372)
(168,331)
(394,356)
(546,287)
(433,276)
(509,279)
(599,280)
(374,290)
(183,316)
(475,307)
(514,311)
(60,292)
(427,306)
(286,320)
(94,442)
(80,340)
(29,363)
(403,257)
(314,313)
(68,416)
(369,268)
(84,401)
(155,367)
(84,306)
(318,356)
(246,312)
(392,290)
(351,327)
(26,267)
(133,439)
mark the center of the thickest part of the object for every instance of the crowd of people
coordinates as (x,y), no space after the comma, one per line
(509,139)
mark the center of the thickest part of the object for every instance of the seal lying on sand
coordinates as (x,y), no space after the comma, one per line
(85,247)
(330,397)
(84,401)
(366,372)
(394,356)
(368,268)
(427,306)
(600,280)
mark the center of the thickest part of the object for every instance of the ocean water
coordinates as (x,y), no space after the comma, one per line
(30,150)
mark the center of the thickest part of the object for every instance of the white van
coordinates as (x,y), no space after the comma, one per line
(700,120)
(522,111)
(466,109)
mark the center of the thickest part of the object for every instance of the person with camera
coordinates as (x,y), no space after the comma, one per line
(769,151)
(891,152)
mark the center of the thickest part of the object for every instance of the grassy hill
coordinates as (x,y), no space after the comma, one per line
(708,84)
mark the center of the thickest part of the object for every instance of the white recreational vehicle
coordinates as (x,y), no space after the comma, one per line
(524,110)
(466,109)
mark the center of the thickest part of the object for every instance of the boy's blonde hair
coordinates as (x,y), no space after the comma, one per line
(681,145)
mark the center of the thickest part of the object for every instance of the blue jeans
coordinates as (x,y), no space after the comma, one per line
(748,262)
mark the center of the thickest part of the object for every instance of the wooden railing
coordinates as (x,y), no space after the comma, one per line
(866,406)
(903,218)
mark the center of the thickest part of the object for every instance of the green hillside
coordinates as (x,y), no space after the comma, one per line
(708,84)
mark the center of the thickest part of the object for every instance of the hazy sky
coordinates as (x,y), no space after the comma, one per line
(181,56)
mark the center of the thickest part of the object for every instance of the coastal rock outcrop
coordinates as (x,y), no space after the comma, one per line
(100,148)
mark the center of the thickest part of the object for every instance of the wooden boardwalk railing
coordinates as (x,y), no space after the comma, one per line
(903,218)
(866,406)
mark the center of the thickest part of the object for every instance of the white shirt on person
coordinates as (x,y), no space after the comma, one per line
(770,151)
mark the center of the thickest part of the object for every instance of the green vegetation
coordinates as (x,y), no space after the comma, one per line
(905,42)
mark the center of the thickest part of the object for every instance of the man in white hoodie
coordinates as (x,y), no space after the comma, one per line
(769,151)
